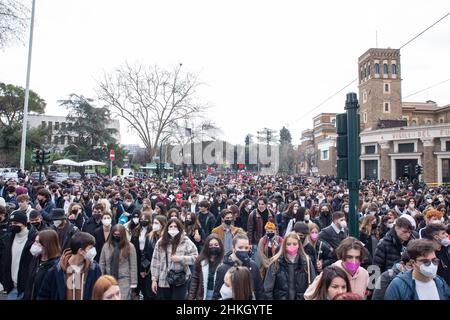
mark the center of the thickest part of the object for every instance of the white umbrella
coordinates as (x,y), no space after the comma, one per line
(66,162)
(92,163)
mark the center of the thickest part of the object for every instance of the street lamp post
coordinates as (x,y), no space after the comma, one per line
(27,94)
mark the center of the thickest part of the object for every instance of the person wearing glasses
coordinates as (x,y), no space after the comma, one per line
(422,282)
(351,254)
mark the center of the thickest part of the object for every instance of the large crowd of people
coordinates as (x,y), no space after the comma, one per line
(243,237)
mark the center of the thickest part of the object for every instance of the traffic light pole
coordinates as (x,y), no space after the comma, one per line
(351,105)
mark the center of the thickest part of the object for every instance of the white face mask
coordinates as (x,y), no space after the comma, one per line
(411,205)
(106,222)
(226,292)
(90,255)
(35,249)
(66,198)
(156,227)
(249,207)
(390,225)
(135,220)
(346,210)
(429,271)
(302,198)
(173,232)
(307,217)
(57,223)
(429,200)
(444,242)
(343,224)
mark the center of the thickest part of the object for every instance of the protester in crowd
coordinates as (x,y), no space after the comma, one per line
(239,256)
(336,232)
(16,256)
(46,252)
(323,252)
(194,230)
(138,238)
(389,249)
(333,281)
(351,253)
(226,231)
(159,224)
(256,222)
(422,282)
(95,221)
(324,219)
(44,204)
(118,259)
(237,284)
(63,228)
(76,215)
(245,209)
(36,220)
(268,246)
(173,253)
(73,278)
(290,271)
(438,234)
(203,279)
(106,288)
(386,277)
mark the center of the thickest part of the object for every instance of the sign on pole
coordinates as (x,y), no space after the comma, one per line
(112,155)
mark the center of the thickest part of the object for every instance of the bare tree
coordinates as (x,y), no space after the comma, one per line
(153,101)
(13,21)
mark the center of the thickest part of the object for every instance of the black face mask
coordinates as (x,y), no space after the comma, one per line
(116,239)
(189,222)
(143,223)
(270,235)
(215,251)
(15,229)
(228,222)
(75,211)
(36,224)
(96,198)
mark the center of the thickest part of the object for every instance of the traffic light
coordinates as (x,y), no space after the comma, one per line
(37,156)
(342,146)
(46,157)
(406,170)
(419,169)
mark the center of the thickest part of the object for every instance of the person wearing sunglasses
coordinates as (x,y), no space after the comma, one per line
(422,282)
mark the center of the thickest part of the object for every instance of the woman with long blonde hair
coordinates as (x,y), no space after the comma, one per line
(290,271)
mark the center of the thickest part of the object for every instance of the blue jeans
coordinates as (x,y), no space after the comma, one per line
(14,295)
(209,294)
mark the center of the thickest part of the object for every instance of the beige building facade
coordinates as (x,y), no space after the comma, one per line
(394,134)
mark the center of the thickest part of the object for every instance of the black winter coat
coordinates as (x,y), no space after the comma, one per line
(331,237)
(323,221)
(99,242)
(37,272)
(389,250)
(231,260)
(278,280)
(25,260)
(66,234)
(91,225)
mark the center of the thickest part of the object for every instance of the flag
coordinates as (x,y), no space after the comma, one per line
(183,186)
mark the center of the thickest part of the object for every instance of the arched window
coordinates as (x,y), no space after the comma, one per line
(368,70)
(414,123)
(385,68)
(377,68)
(394,68)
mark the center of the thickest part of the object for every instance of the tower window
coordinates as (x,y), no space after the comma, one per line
(362,75)
(386,107)
(394,68)
(56,125)
(386,87)
(365,117)
(377,68)
(414,123)
(56,140)
(324,155)
(385,68)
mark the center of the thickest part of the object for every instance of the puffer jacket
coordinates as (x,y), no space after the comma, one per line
(389,250)
(278,280)
(403,287)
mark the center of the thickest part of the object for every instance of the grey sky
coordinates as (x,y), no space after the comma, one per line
(264,63)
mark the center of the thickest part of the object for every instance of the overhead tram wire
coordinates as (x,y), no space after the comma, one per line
(404,45)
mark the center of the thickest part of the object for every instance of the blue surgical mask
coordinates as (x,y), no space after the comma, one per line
(242,255)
